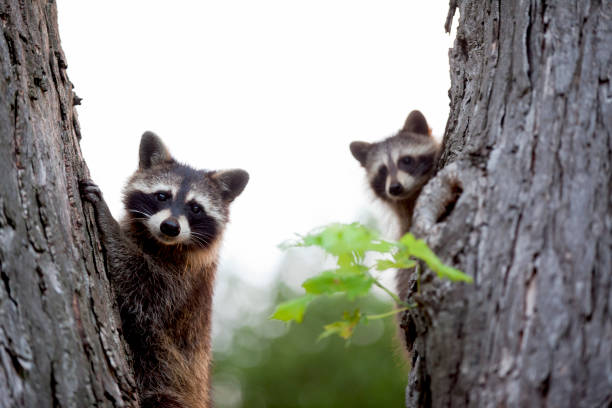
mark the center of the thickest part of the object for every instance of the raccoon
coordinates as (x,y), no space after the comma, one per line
(162,259)
(398,167)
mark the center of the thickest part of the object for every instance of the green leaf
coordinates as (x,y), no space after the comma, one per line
(384,264)
(354,281)
(346,260)
(419,249)
(343,328)
(387,314)
(343,239)
(293,309)
(455,275)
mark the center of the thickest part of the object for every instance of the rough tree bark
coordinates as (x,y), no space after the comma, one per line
(59,340)
(522,203)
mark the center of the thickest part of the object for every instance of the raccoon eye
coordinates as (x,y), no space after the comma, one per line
(407,161)
(195,208)
(161,196)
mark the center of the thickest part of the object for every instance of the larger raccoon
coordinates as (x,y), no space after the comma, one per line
(162,260)
(398,167)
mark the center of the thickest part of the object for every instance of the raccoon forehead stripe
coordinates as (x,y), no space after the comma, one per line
(416,150)
(150,188)
(207,203)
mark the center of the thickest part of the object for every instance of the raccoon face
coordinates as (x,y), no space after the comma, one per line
(399,166)
(176,204)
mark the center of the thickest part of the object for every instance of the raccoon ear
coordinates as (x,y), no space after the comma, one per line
(232,182)
(360,151)
(416,123)
(152,151)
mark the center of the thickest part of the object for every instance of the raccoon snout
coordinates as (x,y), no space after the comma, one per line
(170,227)
(396,189)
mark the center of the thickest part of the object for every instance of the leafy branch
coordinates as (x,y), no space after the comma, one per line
(349,243)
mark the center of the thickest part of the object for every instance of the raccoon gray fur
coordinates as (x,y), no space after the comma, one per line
(398,167)
(162,259)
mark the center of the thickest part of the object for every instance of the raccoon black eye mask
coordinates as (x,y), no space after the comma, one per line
(417,165)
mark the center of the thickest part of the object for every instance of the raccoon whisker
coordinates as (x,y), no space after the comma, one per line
(140,212)
(199,234)
(200,240)
(199,244)
(135,220)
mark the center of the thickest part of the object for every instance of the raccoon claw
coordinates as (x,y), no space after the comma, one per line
(90,191)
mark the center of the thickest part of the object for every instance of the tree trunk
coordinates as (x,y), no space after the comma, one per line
(522,202)
(59,338)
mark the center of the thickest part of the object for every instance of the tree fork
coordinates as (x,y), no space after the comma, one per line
(59,335)
(523,203)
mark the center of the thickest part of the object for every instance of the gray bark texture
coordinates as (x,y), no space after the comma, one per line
(59,338)
(522,203)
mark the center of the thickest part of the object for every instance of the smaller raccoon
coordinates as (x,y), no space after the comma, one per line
(398,167)
(162,260)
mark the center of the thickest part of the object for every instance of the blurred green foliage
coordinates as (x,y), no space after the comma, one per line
(268,363)
(294,369)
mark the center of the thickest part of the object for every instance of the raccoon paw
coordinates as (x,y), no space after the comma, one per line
(90,191)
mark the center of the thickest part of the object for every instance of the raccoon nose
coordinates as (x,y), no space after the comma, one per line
(170,227)
(395,189)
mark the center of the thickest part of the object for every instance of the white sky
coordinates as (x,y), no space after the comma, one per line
(278,88)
